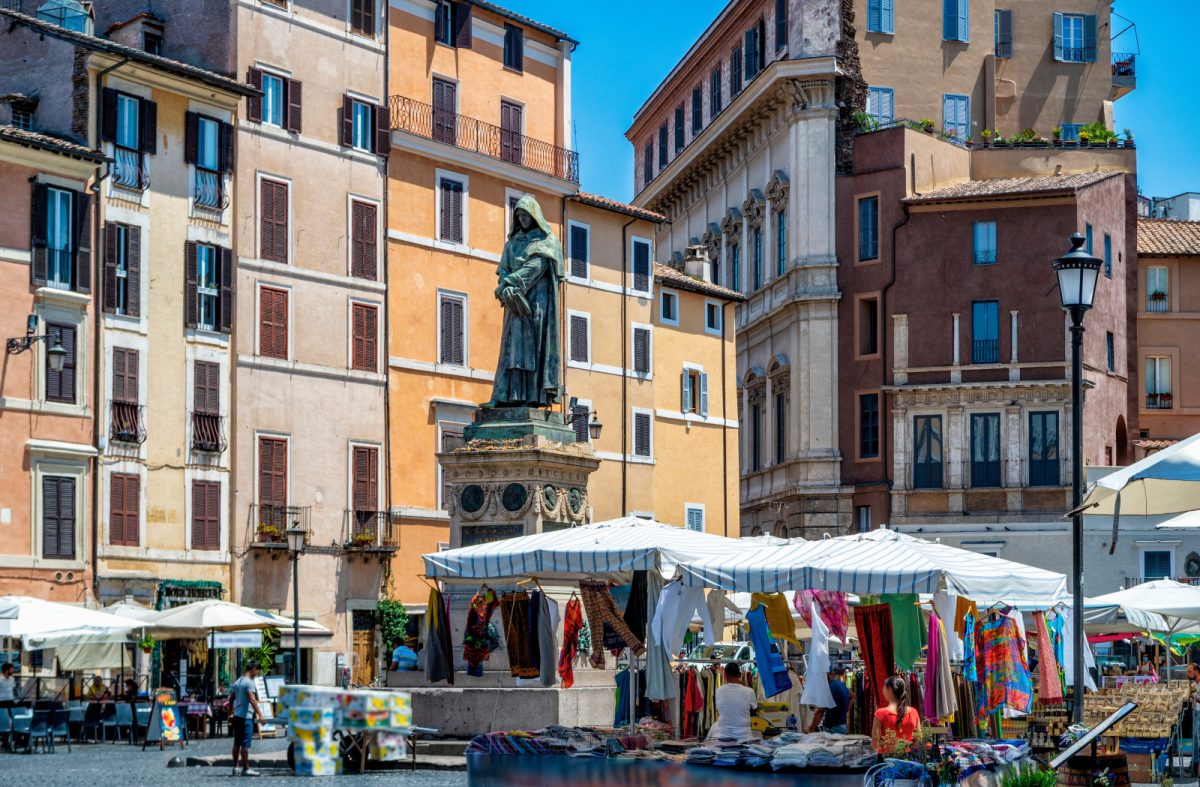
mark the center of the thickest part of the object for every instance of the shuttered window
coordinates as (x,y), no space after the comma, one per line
(60,386)
(122,269)
(868,426)
(273,323)
(60,239)
(735,72)
(365,482)
(956,116)
(781,25)
(697,110)
(714,93)
(123,519)
(512,142)
(679,135)
(125,375)
(1003,33)
(451,330)
(694,392)
(514,48)
(881,104)
(579,422)
(365,340)
(272,472)
(956,22)
(445,111)
(868,229)
(880,16)
(579,251)
(58,517)
(641,350)
(206,390)
(364,239)
(1075,38)
(641,434)
(451,208)
(641,266)
(206,515)
(208,287)
(780,428)
(579,338)
(663,154)
(648,164)
(273,212)
(452,23)
(695,519)
(362,17)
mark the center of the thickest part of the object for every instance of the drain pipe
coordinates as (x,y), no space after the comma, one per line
(624,366)
(883,372)
(97,248)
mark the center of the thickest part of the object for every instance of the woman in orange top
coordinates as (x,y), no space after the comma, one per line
(897,722)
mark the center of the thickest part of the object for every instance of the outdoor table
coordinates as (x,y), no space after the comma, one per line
(196,713)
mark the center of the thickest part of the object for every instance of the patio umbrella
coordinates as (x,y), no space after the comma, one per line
(25,616)
(200,618)
(1188,521)
(1177,603)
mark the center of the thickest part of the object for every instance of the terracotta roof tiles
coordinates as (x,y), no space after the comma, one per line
(665,274)
(596,201)
(1009,187)
(33,139)
(1167,237)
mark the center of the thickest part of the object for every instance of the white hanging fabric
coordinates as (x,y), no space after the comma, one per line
(816,680)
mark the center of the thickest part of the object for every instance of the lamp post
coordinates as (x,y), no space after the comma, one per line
(56,354)
(594,426)
(295,540)
(1077,272)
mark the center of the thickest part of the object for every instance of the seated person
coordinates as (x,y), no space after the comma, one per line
(96,690)
(735,703)
(404,658)
(833,719)
(897,722)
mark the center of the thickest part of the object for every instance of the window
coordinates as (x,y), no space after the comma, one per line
(880,17)
(881,104)
(1157,289)
(445,112)
(868,426)
(694,516)
(985,242)
(756,417)
(1156,564)
(868,229)
(125,418)
(273,481)
(208,290)
(927,452)
(697,110)
(1158,383)
(1003,33)
(985,449)
(985,332)
(364,240)
(364,342)
(206,407)
(122,269)
(60,385)
(60,239)
(956,116)
(577,250)
(693,392)
(642,439)
(361,125)
(207,133)
(362,17)
(956,23)
(1070,131)
(452,337)
(60,233)
(274,213)
(641,265)
(662,146)
(780,428)
(206,515)
(1075,38)
(668,308)
(714,93)
(735,72)
(641,350)
(713,317)
(757,247)
(514,48)
(580,343)
(58,517)
(735,267)
(862,517)
(781,25)
(512,147)
(1043,449)
(364,481)
(450,226)
(755,46)
(1108,255)
(22,115)
(780,242)
(130,124)
(452,23)
(209,146)
(273,100)
(273,323)
(868,326)
(648,164)
(123,519)
(1110,352)
(678,129)
(208,287)
(1087,233)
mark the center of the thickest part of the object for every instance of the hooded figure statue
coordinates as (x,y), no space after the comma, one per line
(527,374)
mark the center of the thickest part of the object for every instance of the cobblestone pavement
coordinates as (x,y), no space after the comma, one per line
(97,764)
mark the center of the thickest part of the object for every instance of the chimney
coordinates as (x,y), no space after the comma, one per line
(696,262)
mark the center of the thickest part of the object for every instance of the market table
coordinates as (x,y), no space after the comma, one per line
(500,770)
(198,713)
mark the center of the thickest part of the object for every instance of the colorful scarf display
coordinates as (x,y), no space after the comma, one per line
(831,606)
(522,647)
(1006,681)
(477,645)
(1049,680)
(778,616)
(572,625)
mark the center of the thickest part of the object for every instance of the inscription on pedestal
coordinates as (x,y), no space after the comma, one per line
(473,535)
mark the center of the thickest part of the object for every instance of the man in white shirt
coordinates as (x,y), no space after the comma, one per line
(8,685)
(735,702)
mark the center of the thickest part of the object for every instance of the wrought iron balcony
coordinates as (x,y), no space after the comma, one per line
(985,351)
(208,432)
(1129,582)
(129,170)
(468,133)
(270,524)
(209,190)
(1157,303)
(1159,401)
(126,424)
(371,530)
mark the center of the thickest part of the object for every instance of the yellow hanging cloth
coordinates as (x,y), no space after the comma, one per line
(779,616)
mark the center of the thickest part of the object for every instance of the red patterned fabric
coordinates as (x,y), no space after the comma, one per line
(1049,684)
(572,623)
(874,626)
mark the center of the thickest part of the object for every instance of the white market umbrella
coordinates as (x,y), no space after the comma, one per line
(183,622)
(1188,521)
(1178,604)
(1166,482)
(25,616)
(881,561)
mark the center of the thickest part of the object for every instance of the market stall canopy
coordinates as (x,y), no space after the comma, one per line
(196,620)
(24,616)
(1166,482)
(1121,620)
(881,561)
(611,548)
(1178,603)
(1188,521)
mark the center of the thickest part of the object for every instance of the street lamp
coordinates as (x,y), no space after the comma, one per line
(295,541)
(1077,272)
(594,425)
(56,354)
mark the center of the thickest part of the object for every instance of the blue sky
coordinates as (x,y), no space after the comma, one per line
(619,62)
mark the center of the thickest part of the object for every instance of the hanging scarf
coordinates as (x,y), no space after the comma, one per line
(572,624)
(1049,683)
(439,652)
(477,645)
(831,606)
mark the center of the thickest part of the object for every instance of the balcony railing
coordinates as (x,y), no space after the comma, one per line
(126,424)
(208,432)
(1124,65)
(1159,401)
(927,475)
(371,530)
(985,351)
(1129,582)
(129,170)
(269,523)
(475,135)
(209,191)
(1157,303)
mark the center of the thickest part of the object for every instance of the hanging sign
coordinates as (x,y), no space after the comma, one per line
(236,639)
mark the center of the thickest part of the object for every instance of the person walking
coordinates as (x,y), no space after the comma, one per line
(245,710)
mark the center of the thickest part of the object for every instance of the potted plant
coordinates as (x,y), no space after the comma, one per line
(1028,137)
(927,125)
(147,644)
(269,533)
(987,137)
(360,540)
(1158,295)
(1056,132)
(1128,138)
(1028,775)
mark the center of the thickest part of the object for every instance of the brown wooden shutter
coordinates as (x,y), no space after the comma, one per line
(108,123)
(206,394)
(294,93)
(579,338)
(641,434)
(118,374)
(82,240)
(356,239)
(60,386)
(227,141)
(133,271)
(274,221)
(364,344)
(148,116)
(37,235)
(116,509)
(272,471)
(347,117)
(366,478)
(125,375)
(452,332)
(510,132)
(383,130)
(112,251)
(273,323)
(363,240)
(579,251)
(445,109)
(225,260)
(254,102)
(123,517)
(579,422)
(191,308)
(50,515)
(191,137)
(452,208)
(206,515)
(462,25)
(641,350)
(58,517)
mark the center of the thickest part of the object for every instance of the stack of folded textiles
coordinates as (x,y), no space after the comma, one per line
(701,755)
(758,755)
(507,743)
(822,749)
